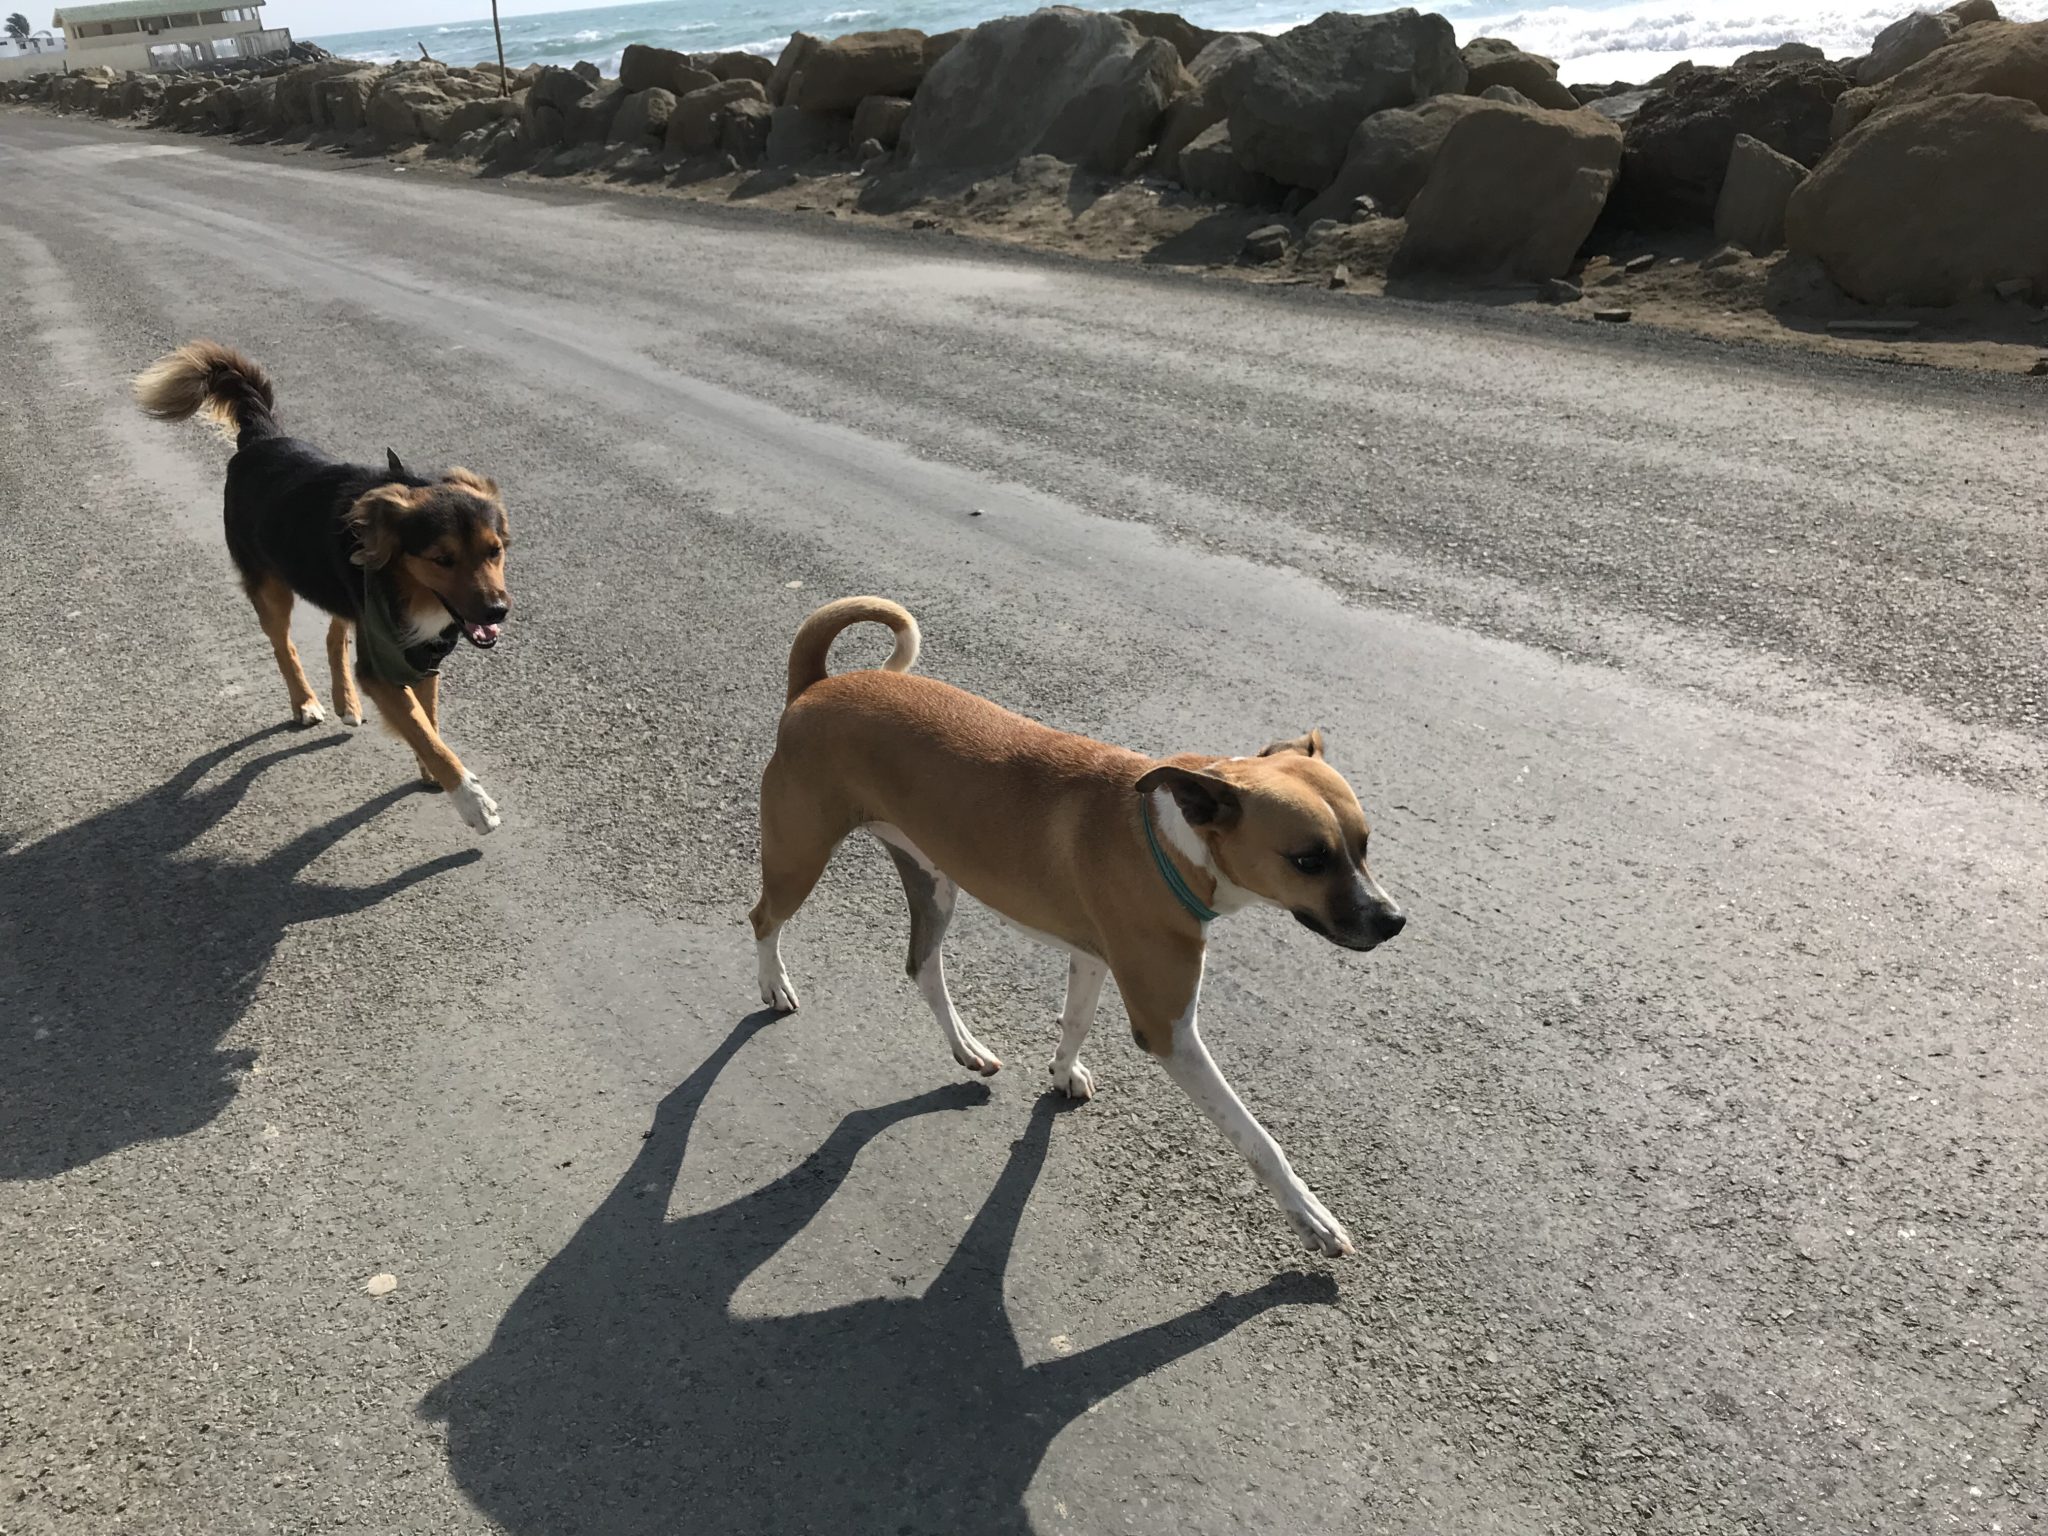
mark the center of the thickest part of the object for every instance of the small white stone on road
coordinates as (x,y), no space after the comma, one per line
(381,1285)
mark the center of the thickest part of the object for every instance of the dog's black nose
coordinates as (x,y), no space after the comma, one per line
(1387,924)
(495,614)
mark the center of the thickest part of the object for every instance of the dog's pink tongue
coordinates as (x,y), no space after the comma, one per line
(483,634)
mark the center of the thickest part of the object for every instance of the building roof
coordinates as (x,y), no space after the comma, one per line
(127,10)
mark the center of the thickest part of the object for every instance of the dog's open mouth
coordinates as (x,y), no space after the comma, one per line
(482,636)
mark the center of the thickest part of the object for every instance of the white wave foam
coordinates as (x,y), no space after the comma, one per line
(1638,40)
(838,16)
(1631,41)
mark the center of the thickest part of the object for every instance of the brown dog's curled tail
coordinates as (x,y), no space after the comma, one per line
(203,376)
(815,636)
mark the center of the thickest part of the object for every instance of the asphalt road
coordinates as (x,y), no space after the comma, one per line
(1693,1132)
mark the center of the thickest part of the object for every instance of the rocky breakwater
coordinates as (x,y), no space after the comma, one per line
(1911,175)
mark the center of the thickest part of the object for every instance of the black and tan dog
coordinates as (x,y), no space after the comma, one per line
(407,563)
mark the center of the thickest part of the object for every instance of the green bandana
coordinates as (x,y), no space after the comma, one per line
(380,640)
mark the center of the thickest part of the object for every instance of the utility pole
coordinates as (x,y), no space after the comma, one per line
(504,80)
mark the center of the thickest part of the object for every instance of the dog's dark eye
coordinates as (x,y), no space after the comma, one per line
(446,562)
(1313,862)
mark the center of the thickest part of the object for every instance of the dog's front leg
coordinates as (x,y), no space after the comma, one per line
(1189,1064)
(1085,976)
(402,712)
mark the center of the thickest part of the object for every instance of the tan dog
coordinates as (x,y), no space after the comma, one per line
(1117,859)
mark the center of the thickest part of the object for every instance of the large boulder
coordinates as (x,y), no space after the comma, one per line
(1677,147)
(746,126)
(1622,106)
(642,118)
(589,120)
(1988,60)
(342,102)
(881,119)
(405,109)
(642,68)
(737,66)
(1301,95)
(1390,156)
(1207,104)
(484,112)
(1116,113)
(298,92)
(1188,39)
(1209,168)
(696,123)
(1933,203)
(1903,44)
(558,88)
(795,54)
(1784,53)
(797,136)
(1759,183)
(1491,61)
(544,117)
(142,94)
(838,74)
(258,100)
(1513,193)
(996,95)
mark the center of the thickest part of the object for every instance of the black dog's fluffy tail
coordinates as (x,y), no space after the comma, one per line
(205,377)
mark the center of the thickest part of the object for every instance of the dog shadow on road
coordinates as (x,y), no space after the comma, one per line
(621,1397)
(124,960)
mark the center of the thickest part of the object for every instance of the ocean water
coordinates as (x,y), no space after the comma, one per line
(1596,40)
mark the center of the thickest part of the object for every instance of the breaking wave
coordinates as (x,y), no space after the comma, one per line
(1600,40)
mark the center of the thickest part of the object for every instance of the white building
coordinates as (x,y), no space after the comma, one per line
(42,52)
(147,34)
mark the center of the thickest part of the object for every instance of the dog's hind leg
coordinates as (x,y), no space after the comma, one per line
(1085,975)
(932,896)
(796,844)
(346,703)
(273,601)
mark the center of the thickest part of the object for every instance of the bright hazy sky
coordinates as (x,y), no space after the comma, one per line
(313,18)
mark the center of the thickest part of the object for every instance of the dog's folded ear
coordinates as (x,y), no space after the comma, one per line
(1204,799)
(1310,745)
(374,522)
(470,480)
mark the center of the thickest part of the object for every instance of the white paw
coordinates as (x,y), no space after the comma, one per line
(308,714)
(1076,1082)
(1318,1230)
(975,1056)
(476,808)
(779,992)
(352,717)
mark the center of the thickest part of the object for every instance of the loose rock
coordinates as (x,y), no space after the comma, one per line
(1265,245)
(1759,183)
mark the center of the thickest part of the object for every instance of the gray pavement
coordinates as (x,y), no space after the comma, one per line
(1692,1133)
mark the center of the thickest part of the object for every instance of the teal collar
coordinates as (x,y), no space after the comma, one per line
(1197,908)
